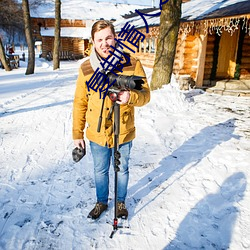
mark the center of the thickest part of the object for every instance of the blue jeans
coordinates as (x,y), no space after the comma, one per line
(102,158)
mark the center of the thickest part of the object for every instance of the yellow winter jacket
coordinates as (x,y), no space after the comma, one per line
(87,107)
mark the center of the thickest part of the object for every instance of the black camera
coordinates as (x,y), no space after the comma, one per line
(78,153)
(120,83)
(125,82)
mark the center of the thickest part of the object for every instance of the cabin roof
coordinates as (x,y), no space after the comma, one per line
(84,10)
(193,10)
(209,9)
(77,32)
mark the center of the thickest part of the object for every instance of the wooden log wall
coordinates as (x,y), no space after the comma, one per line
(179,60)
(186,55)
(79,46)
(50,22)
(191,54)
(66,44)
(47,45)
(147,59)
(73,45)
(245,60)
(209,57)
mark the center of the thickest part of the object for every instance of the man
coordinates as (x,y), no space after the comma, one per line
(87,106)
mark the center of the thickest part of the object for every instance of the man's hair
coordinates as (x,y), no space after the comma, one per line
(100,25)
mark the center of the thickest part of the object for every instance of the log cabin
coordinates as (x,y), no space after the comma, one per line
(77,18)
(213,41)
(74,37)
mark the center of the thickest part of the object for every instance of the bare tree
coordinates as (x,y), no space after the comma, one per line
(3,57)
(56,59)
(36,3)
(11,24)
(11,16)
(28,33)
(164,59)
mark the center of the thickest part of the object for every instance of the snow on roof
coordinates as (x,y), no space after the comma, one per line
(197,9)
(84,10)
(137,21)
(194,10)
(79,32)
(91,10)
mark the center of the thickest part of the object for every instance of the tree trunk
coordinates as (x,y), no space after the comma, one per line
(164,59)
(29,38)
(56,59)
(3,57)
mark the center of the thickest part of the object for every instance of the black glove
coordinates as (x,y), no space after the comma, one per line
(78,153)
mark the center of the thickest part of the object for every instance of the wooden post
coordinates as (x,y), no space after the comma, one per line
(149,45)
(140,47)
(145,45)
(201,60)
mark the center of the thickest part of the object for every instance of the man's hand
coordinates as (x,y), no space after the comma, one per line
(79,143)
(123,97)
(79,151)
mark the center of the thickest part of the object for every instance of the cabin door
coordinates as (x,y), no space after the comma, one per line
(227,55)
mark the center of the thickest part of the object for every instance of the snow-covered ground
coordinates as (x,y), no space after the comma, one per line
(189,170)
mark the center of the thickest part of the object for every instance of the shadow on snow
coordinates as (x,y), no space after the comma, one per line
(210,223)
(190,153)
(23,110)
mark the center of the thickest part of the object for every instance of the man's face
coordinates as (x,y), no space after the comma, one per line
(102,41)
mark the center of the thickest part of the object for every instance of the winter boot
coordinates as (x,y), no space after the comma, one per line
(97,210)
(122,211)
